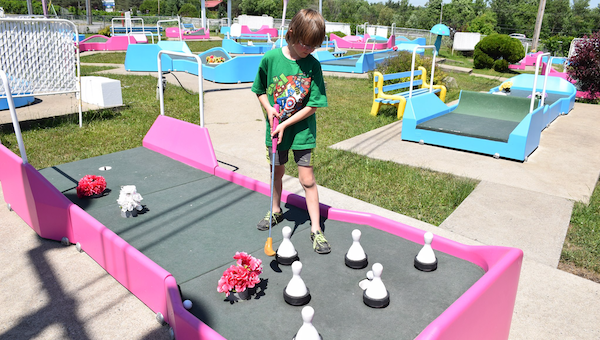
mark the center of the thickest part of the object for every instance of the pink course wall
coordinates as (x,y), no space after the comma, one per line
(116,43)
(33,198)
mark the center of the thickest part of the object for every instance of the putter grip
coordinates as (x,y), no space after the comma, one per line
(275,123)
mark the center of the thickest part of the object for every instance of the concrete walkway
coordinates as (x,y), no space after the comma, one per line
(525,205)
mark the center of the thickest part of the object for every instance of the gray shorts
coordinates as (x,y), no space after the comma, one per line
(302,157)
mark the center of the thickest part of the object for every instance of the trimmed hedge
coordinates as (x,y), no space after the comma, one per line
(497,51)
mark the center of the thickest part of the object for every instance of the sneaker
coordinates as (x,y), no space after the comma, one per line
(320,244)
(264,223)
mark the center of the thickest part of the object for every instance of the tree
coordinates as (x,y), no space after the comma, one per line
(484,24)
(515,16)
(584,65)
(579,22)
(149,7)
(556,17)
(386,16)
(403,13)
(188,10)
(271,8)
(458,14)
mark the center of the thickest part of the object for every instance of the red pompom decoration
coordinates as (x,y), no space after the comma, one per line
(91,185)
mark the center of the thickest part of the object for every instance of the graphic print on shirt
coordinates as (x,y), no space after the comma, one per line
(289,92)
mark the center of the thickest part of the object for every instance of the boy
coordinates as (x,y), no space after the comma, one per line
(291,77)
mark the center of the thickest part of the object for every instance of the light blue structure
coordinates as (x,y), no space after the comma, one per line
(560,93)
(19,101)
(241,69)
(232,46)
(362,63)
(521,142)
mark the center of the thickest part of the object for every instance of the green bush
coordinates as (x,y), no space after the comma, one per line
(188,10)
(338,33)
(402,63)
(495,47)
(501,65)
(558,45)
(105,31)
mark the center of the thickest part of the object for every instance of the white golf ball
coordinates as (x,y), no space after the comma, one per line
(187,304)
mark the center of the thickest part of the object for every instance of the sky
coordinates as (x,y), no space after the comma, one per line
(593,3)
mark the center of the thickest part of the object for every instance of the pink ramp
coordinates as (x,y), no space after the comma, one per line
(354,42)
(265,29)
(104,43)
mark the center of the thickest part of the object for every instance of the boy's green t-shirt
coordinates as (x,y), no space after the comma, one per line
(293,84)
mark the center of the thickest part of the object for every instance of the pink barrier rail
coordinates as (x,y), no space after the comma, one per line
(173,32)
(353,42)
(263,30)
(116,43)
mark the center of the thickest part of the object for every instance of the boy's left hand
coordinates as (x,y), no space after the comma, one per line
(278,132)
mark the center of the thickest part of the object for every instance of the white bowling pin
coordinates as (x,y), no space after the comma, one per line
(296,286)
(286,248)
(356,251)
(307,331)
(426,254)
(376,289)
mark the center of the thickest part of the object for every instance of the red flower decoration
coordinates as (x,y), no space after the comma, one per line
(91,185)
(241,276)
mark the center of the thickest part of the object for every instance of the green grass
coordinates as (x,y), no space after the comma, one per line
(469,83)
(87,70)
(104,58)
(201,46)
(581,249)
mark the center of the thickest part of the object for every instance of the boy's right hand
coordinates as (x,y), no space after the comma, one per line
(272,112)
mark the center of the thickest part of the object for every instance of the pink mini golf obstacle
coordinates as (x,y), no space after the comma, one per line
(359,43)
(115,43)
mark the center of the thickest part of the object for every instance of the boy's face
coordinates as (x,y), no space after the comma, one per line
(301,50)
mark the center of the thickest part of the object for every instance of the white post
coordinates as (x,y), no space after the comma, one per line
(412,66)
(13,115)
(203,9)
(200,79)
(537,68)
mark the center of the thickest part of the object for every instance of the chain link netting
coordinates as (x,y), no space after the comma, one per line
(39,56)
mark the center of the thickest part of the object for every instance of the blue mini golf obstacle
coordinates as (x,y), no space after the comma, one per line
(507,125)
(365,62)
(241,69)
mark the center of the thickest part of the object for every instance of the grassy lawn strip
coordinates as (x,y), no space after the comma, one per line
(581,251)
(87,70)
(103,58)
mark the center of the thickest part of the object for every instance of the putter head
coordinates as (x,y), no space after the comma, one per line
(269,247)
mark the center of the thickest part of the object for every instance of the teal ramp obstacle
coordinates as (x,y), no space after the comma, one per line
(485,123)
(143,57)
(241,69)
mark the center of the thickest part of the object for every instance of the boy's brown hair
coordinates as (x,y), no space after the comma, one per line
(308,27)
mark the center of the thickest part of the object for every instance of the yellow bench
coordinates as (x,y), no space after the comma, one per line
(399,99)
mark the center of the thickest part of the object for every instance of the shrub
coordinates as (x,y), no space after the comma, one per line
(501,65)
(105,31)
(402,63)
(495,47)
(558,44)
(188,10)
(338,33)
(584,65)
